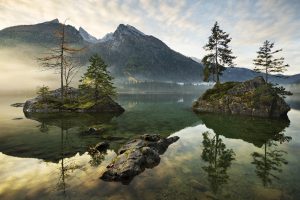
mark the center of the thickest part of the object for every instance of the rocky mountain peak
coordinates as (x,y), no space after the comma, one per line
(86,36)
(54,21)
(128,30)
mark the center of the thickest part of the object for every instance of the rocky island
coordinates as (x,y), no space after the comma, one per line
(51,103)
(254,97)
(94,94)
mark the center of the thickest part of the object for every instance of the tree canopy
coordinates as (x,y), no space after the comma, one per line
(96,81)
(266,62)
(220,55)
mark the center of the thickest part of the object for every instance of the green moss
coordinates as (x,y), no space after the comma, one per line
(263,95)
(115,160)
(70,105)
(86,105)
(218,91)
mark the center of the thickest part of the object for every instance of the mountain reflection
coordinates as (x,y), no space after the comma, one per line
(218,159)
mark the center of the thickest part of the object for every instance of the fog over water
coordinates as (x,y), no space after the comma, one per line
(20,70)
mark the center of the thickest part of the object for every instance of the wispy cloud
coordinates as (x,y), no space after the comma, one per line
(183,25)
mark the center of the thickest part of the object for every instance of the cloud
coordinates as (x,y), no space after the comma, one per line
(182,25)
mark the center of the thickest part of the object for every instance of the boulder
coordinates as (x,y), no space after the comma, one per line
(135,156)
(253,97)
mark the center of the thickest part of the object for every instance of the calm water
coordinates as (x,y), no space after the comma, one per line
(216,157)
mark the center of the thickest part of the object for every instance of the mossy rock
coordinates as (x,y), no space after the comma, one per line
(72,103)
(253,97)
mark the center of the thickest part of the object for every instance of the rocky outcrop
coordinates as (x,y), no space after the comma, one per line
(137,155)
(253,97)
(52,104)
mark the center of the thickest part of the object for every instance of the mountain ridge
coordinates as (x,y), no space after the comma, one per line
(129,53)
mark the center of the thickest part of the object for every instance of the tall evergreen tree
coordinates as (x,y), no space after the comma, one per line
(219,55)
(97,81)
(265,61)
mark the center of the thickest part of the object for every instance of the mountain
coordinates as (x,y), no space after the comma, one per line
(86,36)
(38,34)
(129,53)
(133,54)
(243,74)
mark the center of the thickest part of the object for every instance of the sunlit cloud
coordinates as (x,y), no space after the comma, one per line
(182,25)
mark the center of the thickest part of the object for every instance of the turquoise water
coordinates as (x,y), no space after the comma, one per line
(216,157)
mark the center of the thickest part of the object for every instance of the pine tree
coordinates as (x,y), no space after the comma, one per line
(97,81)
(43,92)
(220,54)
(265,61)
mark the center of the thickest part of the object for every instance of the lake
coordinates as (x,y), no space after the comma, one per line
(216,157)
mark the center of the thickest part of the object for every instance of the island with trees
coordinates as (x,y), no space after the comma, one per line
(95,91)
(95,94)
(256,97)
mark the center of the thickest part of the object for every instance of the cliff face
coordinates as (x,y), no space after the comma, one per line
(253,97)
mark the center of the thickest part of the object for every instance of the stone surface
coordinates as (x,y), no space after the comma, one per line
(253,97)
(53,105)
(135,156)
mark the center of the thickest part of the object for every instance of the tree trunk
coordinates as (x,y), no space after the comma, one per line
(266,74)
(62,65)
(265,159)
(216,151)
(96,93)
(217,66)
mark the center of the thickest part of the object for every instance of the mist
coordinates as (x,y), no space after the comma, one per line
(20,70)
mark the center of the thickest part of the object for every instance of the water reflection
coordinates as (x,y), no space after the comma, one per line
(269,163)
(250,129)
(218,158)
(179,175)
(63,131)
(96,156)
(267,134)
(66,168)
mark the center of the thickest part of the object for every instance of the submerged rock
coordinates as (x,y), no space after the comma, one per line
(17,105)
(135,156)
(52,104)
(253,97)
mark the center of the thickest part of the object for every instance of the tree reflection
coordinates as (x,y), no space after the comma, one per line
(66,168)
(96,156)
(269,163)
(218,158)
(43,127)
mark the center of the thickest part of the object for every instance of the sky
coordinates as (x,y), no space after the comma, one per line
(183,25)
